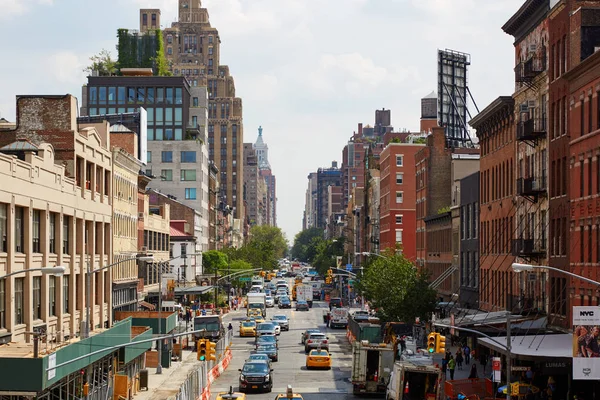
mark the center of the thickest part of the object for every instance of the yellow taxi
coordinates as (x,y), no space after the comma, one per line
(258,319)
(231,395)
(289,394)
(318,358)
(247,328)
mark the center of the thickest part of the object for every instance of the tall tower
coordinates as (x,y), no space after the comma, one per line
(192,46)
(262,151)
(262,154)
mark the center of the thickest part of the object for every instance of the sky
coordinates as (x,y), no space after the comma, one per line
(308,71)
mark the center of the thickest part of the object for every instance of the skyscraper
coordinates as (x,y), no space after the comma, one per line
(192,48)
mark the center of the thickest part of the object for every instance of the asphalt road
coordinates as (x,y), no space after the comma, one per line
(290,369)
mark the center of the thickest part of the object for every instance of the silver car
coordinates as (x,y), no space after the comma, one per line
(282,321)
(316,340)
(266,328)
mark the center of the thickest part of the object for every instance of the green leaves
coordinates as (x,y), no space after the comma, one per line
(103,63)
(213,260)
(305,244)
(397,290)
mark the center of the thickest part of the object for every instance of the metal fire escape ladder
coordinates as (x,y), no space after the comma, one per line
(447,273)
(455,106)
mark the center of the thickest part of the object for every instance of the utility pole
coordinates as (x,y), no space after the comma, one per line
(88,284)
(508,349)
(216,286)
(161,341)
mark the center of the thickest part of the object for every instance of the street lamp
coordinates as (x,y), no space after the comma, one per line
(85,331)
(518,267)
(366,253)
(56,271)
(159,366)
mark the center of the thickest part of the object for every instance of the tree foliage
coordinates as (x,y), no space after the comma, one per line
(213,260)
(103,63)
(267,244)
(397,290)
(306,243)
(236,266)
(327,252)
(160,60)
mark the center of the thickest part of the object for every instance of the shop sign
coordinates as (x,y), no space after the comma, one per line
(554,368)
(586,344)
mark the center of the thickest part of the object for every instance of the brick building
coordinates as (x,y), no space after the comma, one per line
(584,155)
(468,251)
(497,139)
(529,27)
(398,198)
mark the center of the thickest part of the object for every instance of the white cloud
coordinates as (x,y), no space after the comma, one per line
(67,67)
(10,8)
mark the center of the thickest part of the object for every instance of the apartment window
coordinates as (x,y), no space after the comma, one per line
(52,295)
(168,115)
(153,19)
(399,219)
(19,301)
(149,156)
(65,246)
(589,178)
(2,304)
(188,174)
(399,160)
(36,231)
(476,220)
(166,175)
(582,117)
(399,197)
(52,232)
(195,102)
(190,193)
(66,294)
(3,227)
(399,179)
(581,179)
(19,230)
(398,235)
(37,297)
(167,156)
(169,39)
(194,121)
(590,113)
(169,95)
(168,134)
(188,156)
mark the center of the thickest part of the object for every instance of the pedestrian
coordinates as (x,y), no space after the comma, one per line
(328,319)
(467,351)
(444,367)
(402,344)
(230,327)
(451,366)
(473,373)
(459,358)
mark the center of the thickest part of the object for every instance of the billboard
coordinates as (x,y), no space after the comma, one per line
(168,286)
(586,345)
(452,96)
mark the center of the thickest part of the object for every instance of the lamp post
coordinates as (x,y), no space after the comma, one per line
(56,271)
(85,331)
(366,253)
(160,270)
(518,267)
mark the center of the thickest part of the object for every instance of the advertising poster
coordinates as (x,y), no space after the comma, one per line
(586,346)
(168,287)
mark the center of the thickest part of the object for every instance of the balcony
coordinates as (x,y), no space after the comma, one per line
(528,248)
(531,129)
(526,70)
(531,187)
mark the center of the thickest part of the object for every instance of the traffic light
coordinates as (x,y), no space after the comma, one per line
(330,272)
(328,280)
(211,351)
(440,346)
(432,340)
(202,349)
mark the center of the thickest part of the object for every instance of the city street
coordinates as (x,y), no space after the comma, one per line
(290,369)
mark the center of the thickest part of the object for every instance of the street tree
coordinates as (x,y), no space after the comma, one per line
(213,260)
(327,252)
(266,246)
(306,243)
(397,290)
(239,266)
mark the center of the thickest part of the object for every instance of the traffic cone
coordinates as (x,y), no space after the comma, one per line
(406,388)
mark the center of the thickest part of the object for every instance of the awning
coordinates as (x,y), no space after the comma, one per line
(193,290)
(147,306)
(535,346)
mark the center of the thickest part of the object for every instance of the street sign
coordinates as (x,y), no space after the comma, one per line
(350,282)
(348,267)
(245,279)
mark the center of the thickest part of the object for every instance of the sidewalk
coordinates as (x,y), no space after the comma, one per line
(169,382)
(466,368)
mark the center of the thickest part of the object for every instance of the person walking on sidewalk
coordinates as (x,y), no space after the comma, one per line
(467,351)
(459,358)
(473,373)
(451,366)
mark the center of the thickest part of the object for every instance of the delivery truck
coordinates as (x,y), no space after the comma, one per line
(211,327)
(257,303)
(339,318)
(372,365)
(414,378)
(305,292)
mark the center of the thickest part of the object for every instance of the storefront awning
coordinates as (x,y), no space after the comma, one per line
(193,290)
(538,346)
(147,306)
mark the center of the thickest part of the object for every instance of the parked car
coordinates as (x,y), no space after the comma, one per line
(283,321)
(269,301)
(302,305)
(316,340)
(270,350)
(266,328)
(307,333)
(285,302)
(256,375)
